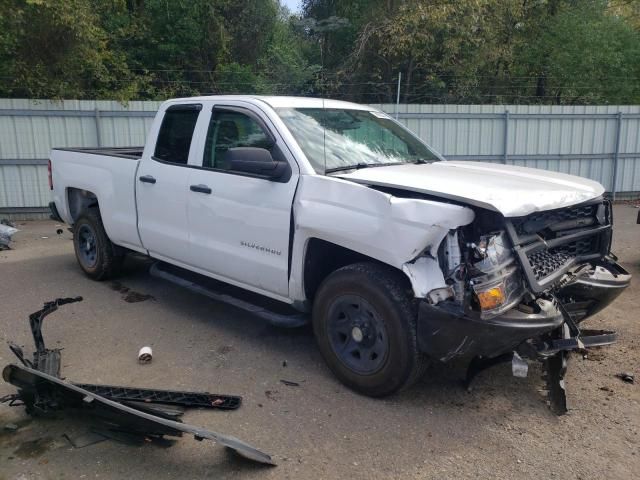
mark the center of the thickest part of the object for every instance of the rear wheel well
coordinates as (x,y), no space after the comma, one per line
(323,258)
(79,201)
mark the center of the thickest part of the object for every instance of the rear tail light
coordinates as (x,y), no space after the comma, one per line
(50,176)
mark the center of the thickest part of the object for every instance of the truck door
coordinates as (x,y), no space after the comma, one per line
(239,223)
(162,186)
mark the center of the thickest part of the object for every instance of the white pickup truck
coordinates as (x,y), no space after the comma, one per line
(340,212)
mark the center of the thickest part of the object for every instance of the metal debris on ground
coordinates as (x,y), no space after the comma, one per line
(626,377)
(11,427)
(138,414)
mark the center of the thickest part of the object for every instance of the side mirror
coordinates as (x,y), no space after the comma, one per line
(257,161)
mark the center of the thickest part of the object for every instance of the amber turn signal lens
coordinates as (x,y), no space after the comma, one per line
(492,298)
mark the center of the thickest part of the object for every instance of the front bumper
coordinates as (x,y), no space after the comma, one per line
(445,333)
(589,294)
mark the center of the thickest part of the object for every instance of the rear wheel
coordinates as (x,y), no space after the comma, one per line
(364,320)
(96,255)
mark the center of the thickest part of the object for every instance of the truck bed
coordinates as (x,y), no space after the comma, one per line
(107,173)
(132,153)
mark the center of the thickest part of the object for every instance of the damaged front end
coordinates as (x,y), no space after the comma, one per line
(519,287)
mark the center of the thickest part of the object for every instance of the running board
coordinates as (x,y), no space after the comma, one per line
(173,274)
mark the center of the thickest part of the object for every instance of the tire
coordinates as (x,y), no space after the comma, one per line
(364,320)
(96,255)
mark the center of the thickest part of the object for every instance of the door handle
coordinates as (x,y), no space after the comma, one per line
(147,179)
(200,189)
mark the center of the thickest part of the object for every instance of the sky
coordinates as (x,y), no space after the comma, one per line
(294,5)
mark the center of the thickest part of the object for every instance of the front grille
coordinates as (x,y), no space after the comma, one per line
(544,263)
(542,220)
(542,234)
(584,246)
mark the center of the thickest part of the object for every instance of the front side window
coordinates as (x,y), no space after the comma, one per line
(231,129)
(176,132)
(339,139)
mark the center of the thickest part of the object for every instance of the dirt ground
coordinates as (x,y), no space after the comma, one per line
(502,429)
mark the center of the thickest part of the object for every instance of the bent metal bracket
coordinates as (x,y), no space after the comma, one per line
(143,412)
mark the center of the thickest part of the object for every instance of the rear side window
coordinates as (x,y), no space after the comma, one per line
(176,133)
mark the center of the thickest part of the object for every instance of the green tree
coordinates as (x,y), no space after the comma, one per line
(471,51)
(586,55)
(53,49)
(286,66)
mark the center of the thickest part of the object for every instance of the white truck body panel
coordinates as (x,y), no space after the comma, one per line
(241,231)
(390,229)
(163,206)
(511,190)
(113,182)
(162,212)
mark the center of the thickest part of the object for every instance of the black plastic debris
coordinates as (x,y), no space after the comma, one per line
(135,413)
(626,377)
(289,383)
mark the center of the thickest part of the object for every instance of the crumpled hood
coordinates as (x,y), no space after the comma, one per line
(511,190)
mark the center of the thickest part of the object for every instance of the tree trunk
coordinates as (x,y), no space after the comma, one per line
(407,81)
(541,87)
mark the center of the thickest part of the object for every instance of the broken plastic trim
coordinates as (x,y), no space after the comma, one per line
(41,391)
(30,380)
(554,355)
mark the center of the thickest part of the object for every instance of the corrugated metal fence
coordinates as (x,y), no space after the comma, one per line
(30,129)
(598,142)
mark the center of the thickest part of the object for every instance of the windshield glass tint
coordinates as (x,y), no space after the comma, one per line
(334,138)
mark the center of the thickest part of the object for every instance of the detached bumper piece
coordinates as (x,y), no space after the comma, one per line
(145,413)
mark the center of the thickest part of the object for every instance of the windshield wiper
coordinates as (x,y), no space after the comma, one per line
(358,166)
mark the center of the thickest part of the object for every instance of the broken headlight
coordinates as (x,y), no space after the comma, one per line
(497,287)
(491,297)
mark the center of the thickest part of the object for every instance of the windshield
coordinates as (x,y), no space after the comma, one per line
(340,139)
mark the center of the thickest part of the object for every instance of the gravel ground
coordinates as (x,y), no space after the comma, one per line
(502,429)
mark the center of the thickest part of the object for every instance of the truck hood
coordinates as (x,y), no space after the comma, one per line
(508,189)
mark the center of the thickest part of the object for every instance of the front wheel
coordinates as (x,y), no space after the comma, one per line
(364,320)
(96,255)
